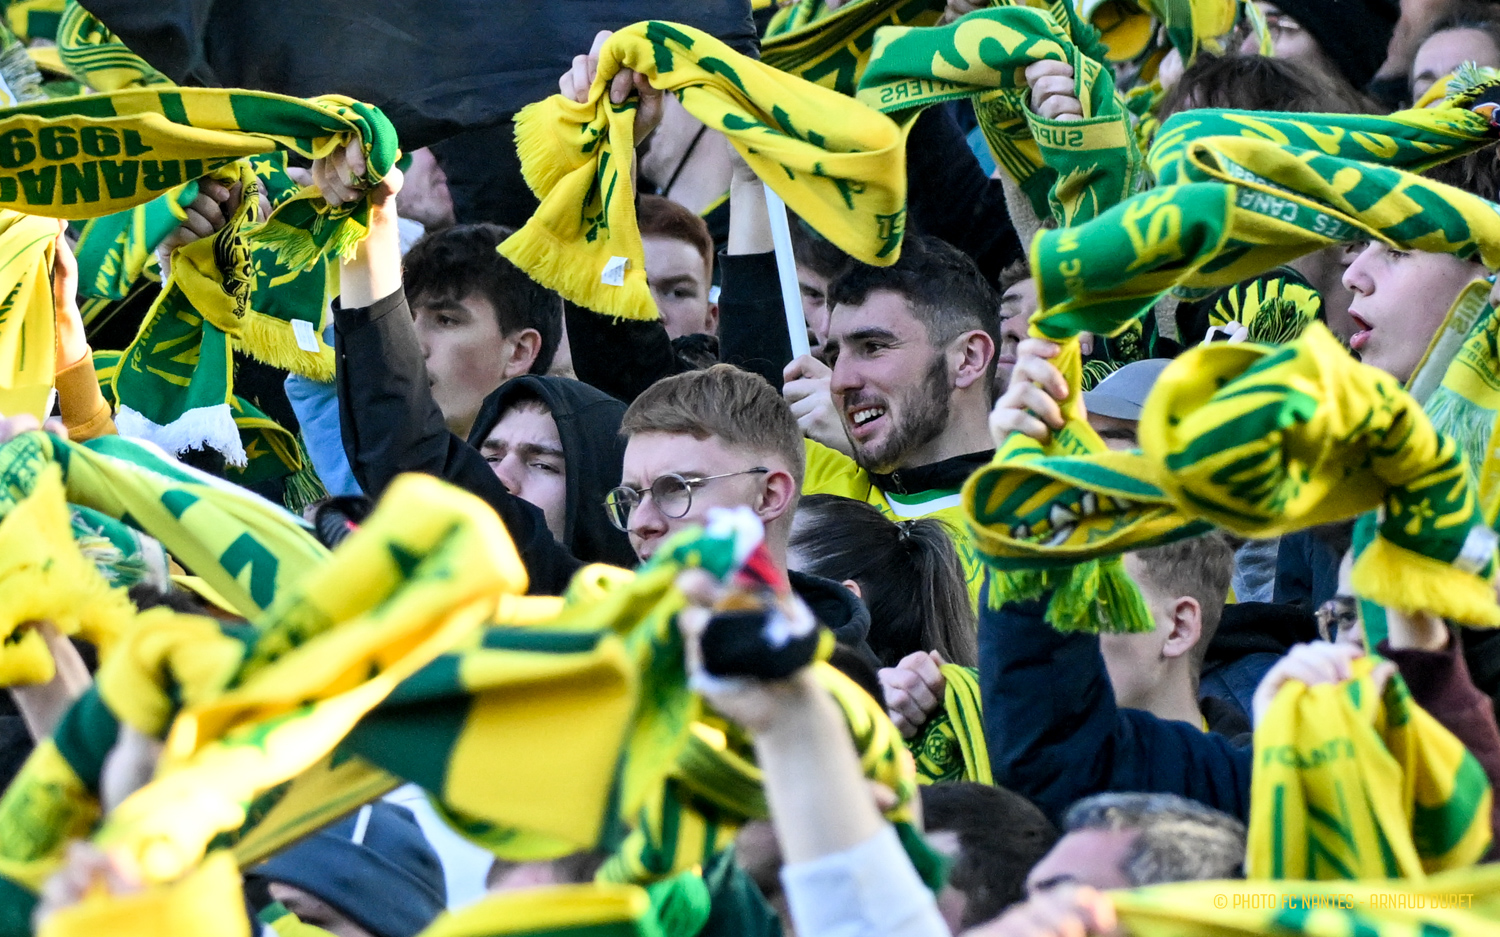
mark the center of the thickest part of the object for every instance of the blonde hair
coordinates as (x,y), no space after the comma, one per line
(722,402)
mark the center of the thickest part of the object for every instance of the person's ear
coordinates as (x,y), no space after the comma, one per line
(974,354)
(777,496)
(711,321)
(853,586)
(526,345)
(1185,621)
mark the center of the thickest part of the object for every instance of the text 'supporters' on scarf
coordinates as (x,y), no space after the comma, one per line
(1354,783)
(1070,170)
(839,165)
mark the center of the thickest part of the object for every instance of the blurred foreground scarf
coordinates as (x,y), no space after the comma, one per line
(1352,783)
(839,165)
(246,548)
(28,345)
(1463,901)
(1129,26)
(1070,170)
(830,47)
(45,577)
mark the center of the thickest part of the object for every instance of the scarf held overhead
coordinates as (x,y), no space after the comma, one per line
(839,165)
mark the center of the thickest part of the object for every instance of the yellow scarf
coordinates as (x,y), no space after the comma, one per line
(28,346)
(1353,784)
(839,165)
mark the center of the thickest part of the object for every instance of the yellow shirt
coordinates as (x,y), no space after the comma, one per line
(830,472)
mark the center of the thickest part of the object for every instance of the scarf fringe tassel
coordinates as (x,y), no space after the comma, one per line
(1094,596)
(273,341)
(213,427)
(1398,578)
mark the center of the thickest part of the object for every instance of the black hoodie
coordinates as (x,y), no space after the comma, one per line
(588,423)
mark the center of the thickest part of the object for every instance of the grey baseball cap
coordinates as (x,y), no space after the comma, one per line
(1122,394)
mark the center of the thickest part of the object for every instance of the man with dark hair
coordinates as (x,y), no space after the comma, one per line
(480,320)
(819,264)
(992,837)
(899,415)
(679,266)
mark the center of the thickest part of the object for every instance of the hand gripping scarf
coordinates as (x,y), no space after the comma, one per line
(1070,171)
(28,349)
(951,747)
(830,47)
(1351,783)
(244,547)
(839,165)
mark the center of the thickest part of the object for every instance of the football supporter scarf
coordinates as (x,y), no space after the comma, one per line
(244,547)
(839,165)
(97,57)
(34,19)
(1353,783)
(45,577)
(1262,441)
(831,47)
(1129,26)
(1271,310)
(1463,901)
(1070,171)
(114,250)
(597,909)
(28,350)
(1463,360)
(952,746)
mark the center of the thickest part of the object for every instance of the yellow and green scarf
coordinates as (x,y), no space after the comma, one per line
(838,165)
(34,19)
(831,47)
(28,344)
(247,549)
(1070,171)
(97,57)
(45,577)
(1129,26)
(114,250)
(951,747)
(1352,783)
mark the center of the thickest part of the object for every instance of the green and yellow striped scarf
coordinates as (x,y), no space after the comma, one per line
(245,548)
(951,747)
(34,19)
(114,250)
(1071,171)
(97,57)
(1352,783)
(831,47)
(1129,26)
(838,164)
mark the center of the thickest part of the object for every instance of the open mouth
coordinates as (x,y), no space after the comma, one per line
(1362,337)
(865,419)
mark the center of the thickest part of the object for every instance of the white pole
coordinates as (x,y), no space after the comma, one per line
(786,266)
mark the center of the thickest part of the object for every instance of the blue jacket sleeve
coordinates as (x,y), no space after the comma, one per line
(1055,734)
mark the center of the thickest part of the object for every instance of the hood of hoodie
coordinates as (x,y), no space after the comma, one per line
(588,423)
(840,610)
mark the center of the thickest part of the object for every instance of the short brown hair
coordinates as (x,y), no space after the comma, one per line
(664,218)
(1199,567)
(724,402)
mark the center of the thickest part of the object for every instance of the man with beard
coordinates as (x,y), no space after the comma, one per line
(899,415)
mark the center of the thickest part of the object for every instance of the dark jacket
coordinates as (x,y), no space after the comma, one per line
(623,357)
(392,425)
(588,423)
(1055,734)
(1250,639)
(1439,682)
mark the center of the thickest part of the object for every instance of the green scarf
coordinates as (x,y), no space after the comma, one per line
(832,47)
(97,57)
(114,250)
(838,165)
(1071,171)
(34,19)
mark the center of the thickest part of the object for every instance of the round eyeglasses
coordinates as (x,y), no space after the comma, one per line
(673,494)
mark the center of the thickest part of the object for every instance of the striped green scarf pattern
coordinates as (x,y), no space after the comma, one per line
(1070,171)
(831,47)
